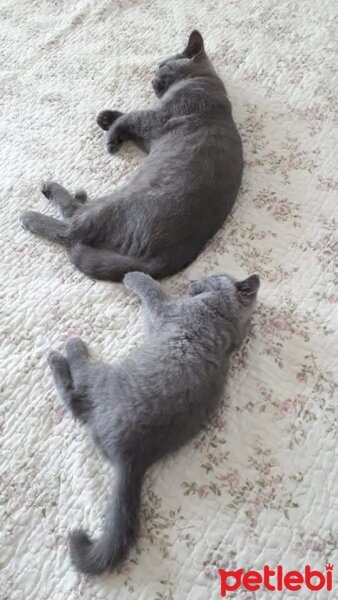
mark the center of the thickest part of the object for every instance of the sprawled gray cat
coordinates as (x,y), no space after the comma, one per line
(181,194)
(147,405)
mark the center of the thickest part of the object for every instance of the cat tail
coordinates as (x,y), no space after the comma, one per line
(109,265)
(121,523)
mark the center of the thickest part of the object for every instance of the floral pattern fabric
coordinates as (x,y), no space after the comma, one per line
(259,485)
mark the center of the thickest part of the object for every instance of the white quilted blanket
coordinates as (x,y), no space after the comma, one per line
(259,487)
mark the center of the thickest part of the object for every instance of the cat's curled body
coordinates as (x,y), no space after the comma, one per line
(147,405)
(180,195)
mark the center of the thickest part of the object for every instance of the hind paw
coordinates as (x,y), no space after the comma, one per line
(29,220)
(54,358)
(57,361)
(76,347)
(50,188)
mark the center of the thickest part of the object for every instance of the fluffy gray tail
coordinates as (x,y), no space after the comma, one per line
(95,556)
(111,266)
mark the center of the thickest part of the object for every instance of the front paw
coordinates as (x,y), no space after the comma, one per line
(29,220)
(106,118)
(55,359)
(75,346)
(135,279)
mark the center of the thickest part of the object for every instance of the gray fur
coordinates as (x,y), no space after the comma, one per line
(181,194)
(146,406)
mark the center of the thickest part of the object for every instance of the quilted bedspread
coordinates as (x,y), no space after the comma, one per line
(260,485)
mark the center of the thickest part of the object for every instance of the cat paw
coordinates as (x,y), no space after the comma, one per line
(46,189)
(54,359)
(50,189)
(76,347)
(135,279)
(59,366)
(29,220)
(106,118)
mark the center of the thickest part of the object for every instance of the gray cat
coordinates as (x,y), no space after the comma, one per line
(181,194)
(146,406)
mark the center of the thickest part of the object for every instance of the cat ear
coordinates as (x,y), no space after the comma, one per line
(195,45)
(248,288)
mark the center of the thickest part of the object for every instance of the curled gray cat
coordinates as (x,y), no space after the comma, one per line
(146,406)
(182,192)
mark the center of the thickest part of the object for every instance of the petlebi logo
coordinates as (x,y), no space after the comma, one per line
(275,579)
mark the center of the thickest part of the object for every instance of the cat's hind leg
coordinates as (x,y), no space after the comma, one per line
(77,356)
(46,227)
(67,203)
(64,383)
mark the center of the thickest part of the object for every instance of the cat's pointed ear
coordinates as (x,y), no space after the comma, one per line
(195,46)
(248,288)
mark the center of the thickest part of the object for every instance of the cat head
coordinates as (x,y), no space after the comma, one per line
(192,62)
(238,296)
